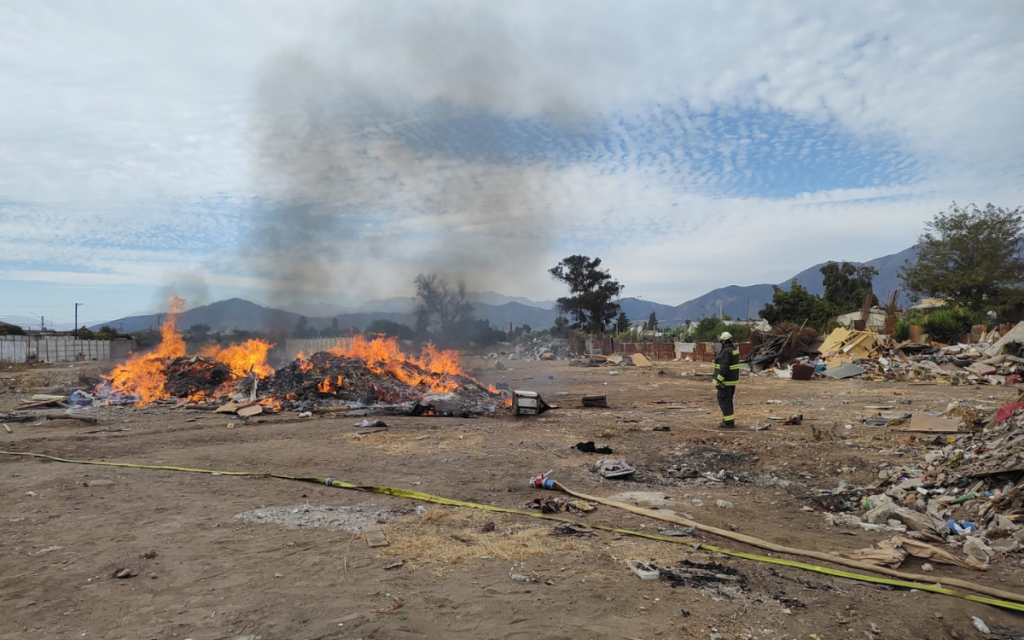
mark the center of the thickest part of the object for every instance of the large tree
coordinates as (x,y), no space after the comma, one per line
(622,322)
(592,292)
(797,305)
(652,322)
(441,305)
(972,257)
(846,286)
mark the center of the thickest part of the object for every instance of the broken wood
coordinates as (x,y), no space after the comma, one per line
(599,402)
(64,416)
(250,410)
(375,536)
(331,410)
(7,428)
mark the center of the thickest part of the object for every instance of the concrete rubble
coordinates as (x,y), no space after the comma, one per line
(965,490)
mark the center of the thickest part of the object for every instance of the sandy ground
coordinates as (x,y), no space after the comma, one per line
(203,573)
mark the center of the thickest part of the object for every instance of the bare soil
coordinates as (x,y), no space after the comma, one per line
(202,572)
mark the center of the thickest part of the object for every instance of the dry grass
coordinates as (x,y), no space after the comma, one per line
(447,536)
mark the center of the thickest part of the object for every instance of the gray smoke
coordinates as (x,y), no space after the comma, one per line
(365,153)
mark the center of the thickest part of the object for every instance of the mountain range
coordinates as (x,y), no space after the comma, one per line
(500,310)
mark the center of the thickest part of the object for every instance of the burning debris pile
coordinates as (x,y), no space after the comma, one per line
(358,373)
(376,375)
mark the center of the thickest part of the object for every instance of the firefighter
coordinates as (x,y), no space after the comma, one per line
(727,376)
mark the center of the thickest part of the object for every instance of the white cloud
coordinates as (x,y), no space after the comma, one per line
(134,136)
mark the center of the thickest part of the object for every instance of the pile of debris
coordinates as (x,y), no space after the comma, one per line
(967,491)
(781,346)
(329,380)
(544,348)
(846,353)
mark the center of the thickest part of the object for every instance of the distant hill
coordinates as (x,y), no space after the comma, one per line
(734,299)
(500,310)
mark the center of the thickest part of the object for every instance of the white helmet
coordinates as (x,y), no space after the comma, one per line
(725,336)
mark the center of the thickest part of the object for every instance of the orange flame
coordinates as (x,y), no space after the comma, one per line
(250,355)
(384,355)
(328,385)
(144,375)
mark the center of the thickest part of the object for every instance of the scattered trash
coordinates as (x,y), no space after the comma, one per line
(598,402)
(679,533)
(796,420)
(374,536)
(372,423)
(614,468)
(528,403)
(555,504)
(980,625)
(643,570)
(521,577)
(394,565)
(723,504)
(123,574)
(662,428)
(590,447)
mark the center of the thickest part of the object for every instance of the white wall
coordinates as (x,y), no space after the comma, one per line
(22,349)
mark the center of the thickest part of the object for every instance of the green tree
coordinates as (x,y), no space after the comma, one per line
(84,333)
(708,329)
(846,286)
(560,329)
(441,305)
(652,322)
(972,257)
(391,328)
(796,305)
(593,291)
(622,322)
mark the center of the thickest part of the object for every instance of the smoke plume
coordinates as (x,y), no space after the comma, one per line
(400,159)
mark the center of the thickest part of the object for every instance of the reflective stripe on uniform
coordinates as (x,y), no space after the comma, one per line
(728,418)
(730,384)
(734,366)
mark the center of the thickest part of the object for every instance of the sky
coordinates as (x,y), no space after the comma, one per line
(325,152)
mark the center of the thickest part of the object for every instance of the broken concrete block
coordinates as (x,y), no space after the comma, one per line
(1002,522)
(974,547)
(881,512)
(982,369)
(1005,545)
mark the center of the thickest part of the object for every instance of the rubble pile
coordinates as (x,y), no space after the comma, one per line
(543,348)
(329,380)
(188,377)
(847,353)
(967,490)
(783,345)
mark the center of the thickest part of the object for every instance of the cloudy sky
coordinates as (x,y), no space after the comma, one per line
(319,151)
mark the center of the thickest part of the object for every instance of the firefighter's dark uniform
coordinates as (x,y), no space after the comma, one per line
(727,376)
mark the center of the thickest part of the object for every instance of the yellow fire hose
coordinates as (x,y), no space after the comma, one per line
(1002,599)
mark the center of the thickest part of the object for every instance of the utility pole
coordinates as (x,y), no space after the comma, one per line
(77,304)
(748,308)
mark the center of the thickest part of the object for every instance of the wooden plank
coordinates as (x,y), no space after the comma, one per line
(375,536)
(251,410)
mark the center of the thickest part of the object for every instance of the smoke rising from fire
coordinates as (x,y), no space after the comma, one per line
(358,170)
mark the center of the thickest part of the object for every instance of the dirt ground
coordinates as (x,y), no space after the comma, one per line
(205,574)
